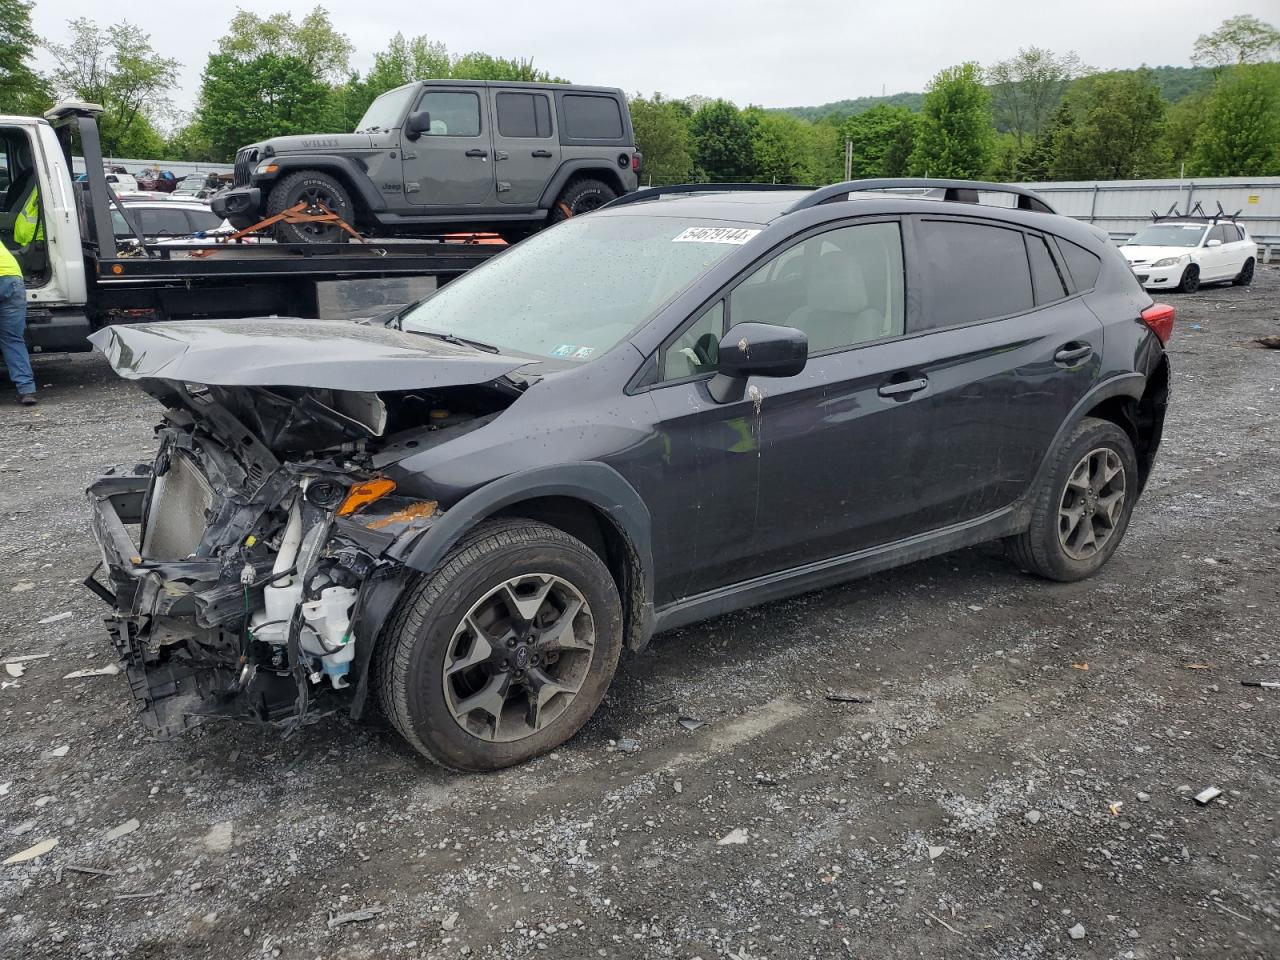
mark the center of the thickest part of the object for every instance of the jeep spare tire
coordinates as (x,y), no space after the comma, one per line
(320,192)
(581,196)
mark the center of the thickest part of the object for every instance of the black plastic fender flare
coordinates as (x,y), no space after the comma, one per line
(598,168)
(347,169)
(596,484)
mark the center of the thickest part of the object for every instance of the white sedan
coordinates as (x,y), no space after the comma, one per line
(1182,254)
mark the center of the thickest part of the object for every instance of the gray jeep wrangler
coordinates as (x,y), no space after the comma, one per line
(442,156)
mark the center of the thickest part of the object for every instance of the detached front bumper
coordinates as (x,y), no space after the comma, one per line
(1159,278)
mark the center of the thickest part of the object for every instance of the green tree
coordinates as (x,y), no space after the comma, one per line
(1117,120)
(957,134)
(407,60)
(22,90)
(1181,123)
(269,95)
(1037,163)
(1026,88)
(783,148)
(883,138)
(1242,39)
(119,69)
(313,41)
(484,66)
(722,143)
(1240,133)
(662,135)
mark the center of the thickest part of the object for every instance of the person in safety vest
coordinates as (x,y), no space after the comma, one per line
(28,226)
(13,327)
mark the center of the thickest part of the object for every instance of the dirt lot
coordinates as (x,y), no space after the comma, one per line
(993,795)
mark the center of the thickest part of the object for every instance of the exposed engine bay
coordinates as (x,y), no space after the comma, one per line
(252,563)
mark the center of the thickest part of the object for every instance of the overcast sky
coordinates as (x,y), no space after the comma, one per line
(776,53)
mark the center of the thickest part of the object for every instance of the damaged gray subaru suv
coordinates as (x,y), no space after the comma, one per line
(692,400)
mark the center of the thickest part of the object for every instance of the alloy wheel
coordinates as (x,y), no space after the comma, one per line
(519,657)
(1092,503)
(318,201)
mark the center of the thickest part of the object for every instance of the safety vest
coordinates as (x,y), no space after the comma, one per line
(8,265)
(28,226)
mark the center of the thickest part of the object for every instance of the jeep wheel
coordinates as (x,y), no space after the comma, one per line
(319,191)
(581,196)
(505,651)
(1245,276)
(1080,512)
(1190,282)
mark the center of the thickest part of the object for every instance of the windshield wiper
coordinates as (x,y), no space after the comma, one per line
(460,341)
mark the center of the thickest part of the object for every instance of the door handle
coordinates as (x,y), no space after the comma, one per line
(903,388)
(1071,354)
(478,153)
(546,154)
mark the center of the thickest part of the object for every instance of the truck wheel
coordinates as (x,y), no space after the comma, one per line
(317,190)
(1245,276)
(503,652)
(581,196)
(1081,510)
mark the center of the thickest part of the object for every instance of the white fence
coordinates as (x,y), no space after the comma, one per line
(1122,207)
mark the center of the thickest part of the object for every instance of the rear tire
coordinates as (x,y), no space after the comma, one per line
(581,196)
(1190,282)
(1081,510)
(1245,276)
(505,651)
(316,189)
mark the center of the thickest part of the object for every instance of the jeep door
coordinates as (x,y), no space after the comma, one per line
(526,144)
(448,166)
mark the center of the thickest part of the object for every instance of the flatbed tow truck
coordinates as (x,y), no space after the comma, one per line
(81,277)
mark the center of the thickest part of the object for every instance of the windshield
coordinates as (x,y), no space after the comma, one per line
(1168,235)
(575,290)
(386,112)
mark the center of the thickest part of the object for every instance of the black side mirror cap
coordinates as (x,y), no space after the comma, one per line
(418,123)
(756,349)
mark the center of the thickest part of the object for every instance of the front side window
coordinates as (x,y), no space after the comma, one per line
(524,115)
(841,288)
(163,223)
(575,290)
(452,114)
(971,272)
(1218,233)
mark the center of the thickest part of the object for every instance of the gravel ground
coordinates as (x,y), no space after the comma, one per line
(994,799)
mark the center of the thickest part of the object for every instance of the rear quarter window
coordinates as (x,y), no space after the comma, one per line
(1082,265)
(588,117)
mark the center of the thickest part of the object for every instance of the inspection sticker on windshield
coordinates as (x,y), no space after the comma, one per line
(735,235)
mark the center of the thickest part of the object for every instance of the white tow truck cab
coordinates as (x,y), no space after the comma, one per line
(81,277)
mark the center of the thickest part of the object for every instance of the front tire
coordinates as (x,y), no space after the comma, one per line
(1245,276)
(1190,282)
(581,196)
(319,191)
(505,651)
(1082,508)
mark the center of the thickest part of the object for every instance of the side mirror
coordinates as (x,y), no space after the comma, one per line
(418,123)
(756,349)
(1214,243)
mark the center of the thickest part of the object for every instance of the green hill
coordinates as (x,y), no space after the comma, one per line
(1175,83)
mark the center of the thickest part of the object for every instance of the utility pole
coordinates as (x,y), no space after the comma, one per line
(848,160)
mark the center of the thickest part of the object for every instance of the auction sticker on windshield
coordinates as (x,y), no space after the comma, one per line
(736,235)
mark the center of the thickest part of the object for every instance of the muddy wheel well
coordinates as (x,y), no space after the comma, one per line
(594,528)
(1142,419)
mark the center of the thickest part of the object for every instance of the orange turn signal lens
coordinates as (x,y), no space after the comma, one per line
(363,494)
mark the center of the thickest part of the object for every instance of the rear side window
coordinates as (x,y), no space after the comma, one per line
(591,117)
(971,272)
(524,115)
(1045,278)
(1081,264)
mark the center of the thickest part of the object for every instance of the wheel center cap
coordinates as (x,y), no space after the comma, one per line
(521,656)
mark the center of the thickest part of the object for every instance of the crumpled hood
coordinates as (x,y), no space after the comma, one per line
(267,351)
(311,142)
(1134,253)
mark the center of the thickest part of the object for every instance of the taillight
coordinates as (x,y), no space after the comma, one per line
(1159,317)
(635,163)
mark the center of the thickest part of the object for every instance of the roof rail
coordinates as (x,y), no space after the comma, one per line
(653,193)
(962,191)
